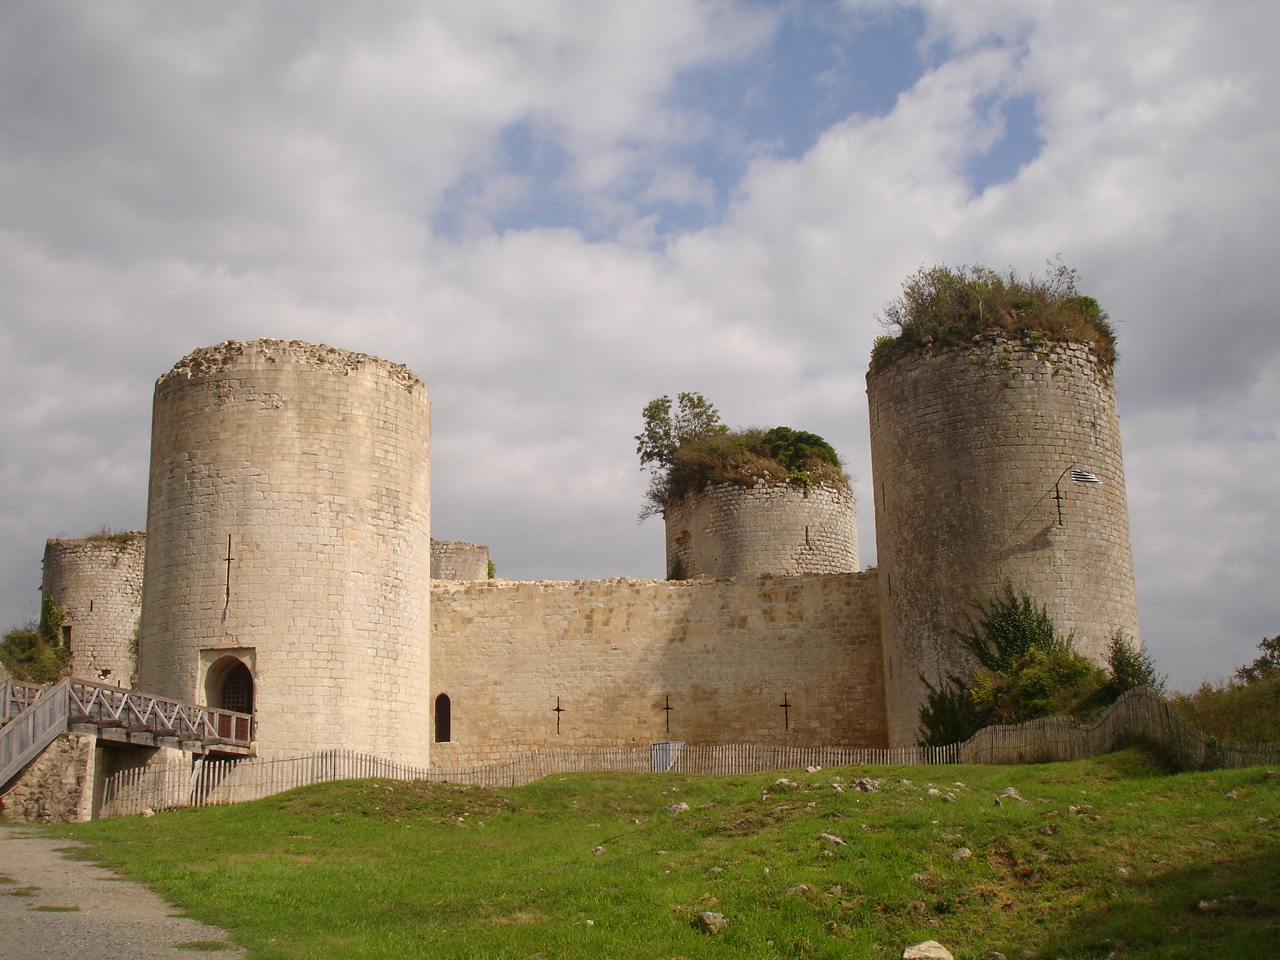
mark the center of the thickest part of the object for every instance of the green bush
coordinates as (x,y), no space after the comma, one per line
(35,653)
(1245,712)
(28,657)
(691,449)
(1041,683)
(941,307)
(1025,669)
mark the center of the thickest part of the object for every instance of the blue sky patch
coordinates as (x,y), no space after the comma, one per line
(1019,145)
(823,64)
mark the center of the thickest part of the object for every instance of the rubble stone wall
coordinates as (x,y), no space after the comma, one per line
(56,787)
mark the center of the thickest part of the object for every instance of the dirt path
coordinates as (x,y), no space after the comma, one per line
(71,910)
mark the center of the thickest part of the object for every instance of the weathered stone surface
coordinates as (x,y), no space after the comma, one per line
(709,922)
(452,560)
(928,950)
(613,654)
(314,462)
(778,530)
(97,582)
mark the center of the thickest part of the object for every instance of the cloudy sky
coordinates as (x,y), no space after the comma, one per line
(555,210)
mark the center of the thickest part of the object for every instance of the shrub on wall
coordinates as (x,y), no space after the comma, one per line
(1025,669)
(940,308)
(691,449)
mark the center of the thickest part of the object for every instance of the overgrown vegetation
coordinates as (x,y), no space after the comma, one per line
(1247,708)
(121,538)
(1106,857)
(35,653)
(944,308)
(1026,669)
(690,448)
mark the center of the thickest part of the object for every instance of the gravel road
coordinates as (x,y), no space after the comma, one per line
(54,907)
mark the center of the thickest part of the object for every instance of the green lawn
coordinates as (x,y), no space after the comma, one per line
(1145,865)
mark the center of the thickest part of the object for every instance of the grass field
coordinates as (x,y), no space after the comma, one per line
(1107,857)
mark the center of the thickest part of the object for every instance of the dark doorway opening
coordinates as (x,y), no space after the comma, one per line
(237,690)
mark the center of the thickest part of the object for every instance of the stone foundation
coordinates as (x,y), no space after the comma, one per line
(57,787)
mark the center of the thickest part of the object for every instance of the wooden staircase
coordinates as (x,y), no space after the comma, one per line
(33,715)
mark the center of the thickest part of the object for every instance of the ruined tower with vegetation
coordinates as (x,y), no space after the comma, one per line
(995,451)
(745,503)
(96,582)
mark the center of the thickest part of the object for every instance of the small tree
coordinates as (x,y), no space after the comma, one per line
(664,433)
(1130,666)
(1007,628)
(689,449)
(1264,667)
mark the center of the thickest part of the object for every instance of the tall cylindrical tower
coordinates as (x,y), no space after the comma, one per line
(971,451)
(730,530)
(97,583)
(289,547)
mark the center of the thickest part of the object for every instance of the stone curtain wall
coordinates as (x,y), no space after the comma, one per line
(782,530)
(97,582)
(726,653)
(966,446)
(452,560)
(315,462)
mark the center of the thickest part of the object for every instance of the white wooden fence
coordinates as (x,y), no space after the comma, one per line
(1138,716)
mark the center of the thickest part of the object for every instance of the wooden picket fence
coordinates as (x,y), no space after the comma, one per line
(1138,717)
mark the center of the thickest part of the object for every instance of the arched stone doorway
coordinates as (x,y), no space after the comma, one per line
(237,689)
(229,685)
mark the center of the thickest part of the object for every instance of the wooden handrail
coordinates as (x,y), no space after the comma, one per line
(98,703)
(16,696)
(22,739)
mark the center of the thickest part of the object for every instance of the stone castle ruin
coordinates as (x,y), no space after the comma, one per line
(289,570)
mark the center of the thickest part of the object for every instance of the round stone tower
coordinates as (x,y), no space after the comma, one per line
(97,583)
(972,451)
(729,530)
(289,547)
